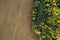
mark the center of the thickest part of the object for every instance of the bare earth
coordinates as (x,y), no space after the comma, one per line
(15,20)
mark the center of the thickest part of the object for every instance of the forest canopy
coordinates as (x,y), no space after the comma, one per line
(46,19)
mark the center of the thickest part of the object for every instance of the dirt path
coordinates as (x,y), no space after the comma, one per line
(15,20)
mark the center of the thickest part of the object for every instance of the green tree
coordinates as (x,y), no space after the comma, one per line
(46,19)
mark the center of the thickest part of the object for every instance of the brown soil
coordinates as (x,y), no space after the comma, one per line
(15,20)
